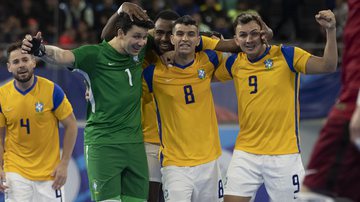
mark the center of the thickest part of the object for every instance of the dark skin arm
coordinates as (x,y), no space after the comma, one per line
(132,10)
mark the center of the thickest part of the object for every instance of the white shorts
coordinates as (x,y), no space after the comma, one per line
(281,174)
(200,183)
(152,153)
(21,189)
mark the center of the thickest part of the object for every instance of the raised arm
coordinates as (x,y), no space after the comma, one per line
(47,53)
(70,135)
(131,9)
(328,62)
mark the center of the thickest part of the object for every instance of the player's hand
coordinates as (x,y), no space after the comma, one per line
(60,174)
(134,10)
(326,19)
(355,128)
(168,58)
(2,181)
(266,32)
(33,45)
(266,36)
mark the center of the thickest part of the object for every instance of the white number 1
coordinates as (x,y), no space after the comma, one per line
(129,73)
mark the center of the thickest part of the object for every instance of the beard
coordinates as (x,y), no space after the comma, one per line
(23,79)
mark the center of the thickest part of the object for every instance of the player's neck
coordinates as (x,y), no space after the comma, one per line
(258,54)
(183,59)
(115,43)
(23,86)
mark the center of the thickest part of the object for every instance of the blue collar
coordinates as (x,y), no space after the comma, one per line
(183,66)
(261,56)
(27,90)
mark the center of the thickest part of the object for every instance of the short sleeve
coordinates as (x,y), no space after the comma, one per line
(224,71)
(85,57)
(296,58)
(300,59)
(207,43)
(62,107)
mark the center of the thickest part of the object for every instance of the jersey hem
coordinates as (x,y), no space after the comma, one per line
(182,164)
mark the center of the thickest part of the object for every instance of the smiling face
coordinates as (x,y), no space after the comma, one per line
(134,40)
(21,65)
(248,38)
(185,38)
(162,33)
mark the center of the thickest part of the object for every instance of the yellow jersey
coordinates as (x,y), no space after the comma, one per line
(268,99)
(148,116)
(32,147)
(185,110)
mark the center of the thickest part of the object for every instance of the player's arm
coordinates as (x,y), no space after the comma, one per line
(70,135)
(355,124)
(49,54)
(131,9)
(223,72)
(227,45)
(2,173)
(328,62)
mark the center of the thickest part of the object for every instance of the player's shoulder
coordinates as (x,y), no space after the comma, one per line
(7,85)
(45,83)
(92,49)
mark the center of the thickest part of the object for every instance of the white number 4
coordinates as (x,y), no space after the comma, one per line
(129,73)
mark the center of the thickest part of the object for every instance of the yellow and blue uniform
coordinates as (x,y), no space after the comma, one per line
(268,99)
(32,129)
(148,109)
(186,114)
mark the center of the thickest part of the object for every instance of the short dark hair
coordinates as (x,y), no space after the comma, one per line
(185,20)
(167,15)
(245,18)
(12,47)
(124,23)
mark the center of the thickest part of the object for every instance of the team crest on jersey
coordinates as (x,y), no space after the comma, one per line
(201,73)
(268,64)
(39,107)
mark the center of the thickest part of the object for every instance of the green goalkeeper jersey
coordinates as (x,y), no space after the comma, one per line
(115,90)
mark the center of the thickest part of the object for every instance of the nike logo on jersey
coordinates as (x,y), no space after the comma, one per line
(111,63)
(168,80)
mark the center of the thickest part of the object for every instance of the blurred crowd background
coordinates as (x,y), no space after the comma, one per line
(75,22)
(71,23)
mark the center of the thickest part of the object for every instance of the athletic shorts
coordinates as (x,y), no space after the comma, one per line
(281,174)
(21,189)
(334,167)
(152,153)
(117,170)
(200,183)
